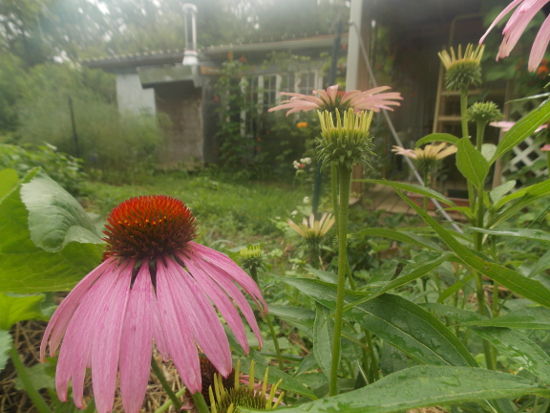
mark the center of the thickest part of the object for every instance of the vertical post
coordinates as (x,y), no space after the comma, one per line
(73,128)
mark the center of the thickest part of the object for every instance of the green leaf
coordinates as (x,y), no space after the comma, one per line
(509,278)
(401,323)
(299,317)
(5,346)
(28,269)
(423,386)
(534,234)
(40,377)
(498,193)
(55,217)
(8,182)
(537,190)
(408,276)
(471,163)
(417,189)
(437,137)
(322,333)
(289,383)
(515,344)
(14,308)
(488,150)
(523,129)
(401,236)
(536,318)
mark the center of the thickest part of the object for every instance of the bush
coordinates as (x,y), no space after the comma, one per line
(63,168)
(113,146)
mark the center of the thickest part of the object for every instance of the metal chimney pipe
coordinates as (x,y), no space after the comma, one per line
(190,55)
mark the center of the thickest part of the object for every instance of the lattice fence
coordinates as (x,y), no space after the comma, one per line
(526,154)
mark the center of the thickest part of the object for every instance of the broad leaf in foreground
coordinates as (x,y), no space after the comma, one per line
(423,386)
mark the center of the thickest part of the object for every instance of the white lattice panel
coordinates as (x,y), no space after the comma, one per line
(525,155)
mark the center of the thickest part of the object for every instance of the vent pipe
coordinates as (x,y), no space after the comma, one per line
(190,55)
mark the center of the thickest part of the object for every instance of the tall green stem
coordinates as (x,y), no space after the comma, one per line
(275,341)
(463,109)
(344,175)
(165,385)
(26,381)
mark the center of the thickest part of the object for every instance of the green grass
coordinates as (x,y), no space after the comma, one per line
(228,213)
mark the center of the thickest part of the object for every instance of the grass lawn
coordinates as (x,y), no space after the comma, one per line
(228,213)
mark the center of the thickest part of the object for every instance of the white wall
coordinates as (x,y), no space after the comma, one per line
(131,97)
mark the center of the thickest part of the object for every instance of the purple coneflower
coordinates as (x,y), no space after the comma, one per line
(506,125)
(155,287)
(332,98)
(524,12)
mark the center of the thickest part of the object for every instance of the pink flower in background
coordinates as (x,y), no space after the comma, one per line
(155,287)
(331,99)
(545,148)
(524,11)
(506,125)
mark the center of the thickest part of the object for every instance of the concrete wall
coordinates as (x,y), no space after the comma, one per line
(131,97)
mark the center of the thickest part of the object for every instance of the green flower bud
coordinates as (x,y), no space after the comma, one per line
(462,70)
(345,138)
(484,112)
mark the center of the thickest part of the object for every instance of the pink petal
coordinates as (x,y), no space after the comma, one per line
(178,333)
(539,45)
(220,299)
(196,308)
(136,344)
(58,323)
(546,148)
(108,324)
(223,262)
(500,16)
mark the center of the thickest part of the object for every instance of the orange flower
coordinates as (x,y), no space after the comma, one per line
(302,125)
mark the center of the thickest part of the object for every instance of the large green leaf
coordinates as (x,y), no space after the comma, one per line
(540,189)
(437,137)
(8,181)
(15,308)
(471,163)
(298,317)
(515,344)
(417,189)
(534,234)
(28,269)
(523,129)
(322,333)
(55,217)
(423,386)
(535,318)
(509,278)
(400,322)
(5,346)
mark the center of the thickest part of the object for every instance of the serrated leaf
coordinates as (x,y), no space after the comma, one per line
(55,217)
(515,344)
(423,386)
(15,308)
(28,269)
(471,163)
(5,346)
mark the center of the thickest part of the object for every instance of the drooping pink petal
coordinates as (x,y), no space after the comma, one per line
(235,272)
(195,307)
(178,334)
(220,299)
(60,319)
(137,341)
(546,148)
(539,45)
(226,282)
(108,326)
(500,16)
